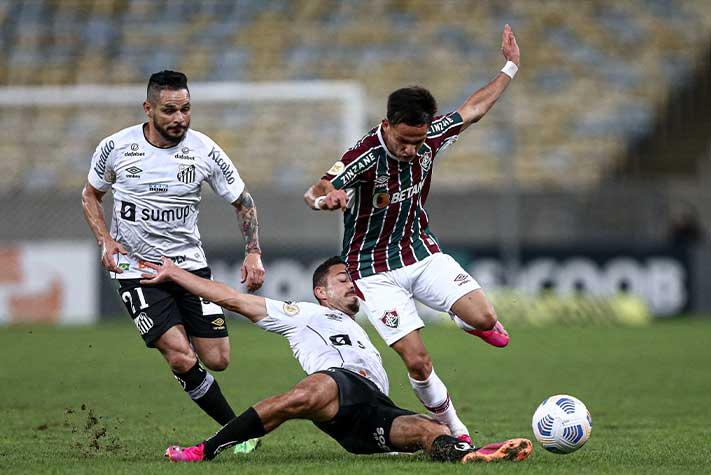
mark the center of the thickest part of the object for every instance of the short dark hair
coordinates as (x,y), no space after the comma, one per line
(166,79)
(412,105)
(319,278)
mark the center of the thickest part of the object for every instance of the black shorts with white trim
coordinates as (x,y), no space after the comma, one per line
(157,308)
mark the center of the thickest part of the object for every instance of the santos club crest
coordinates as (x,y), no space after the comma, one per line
(186,173)
(390,319)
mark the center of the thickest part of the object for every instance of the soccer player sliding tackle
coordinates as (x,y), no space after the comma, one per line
(345,392)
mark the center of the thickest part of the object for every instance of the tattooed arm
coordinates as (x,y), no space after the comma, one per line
(252,269)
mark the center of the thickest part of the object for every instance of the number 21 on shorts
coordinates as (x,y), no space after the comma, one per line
(126,297)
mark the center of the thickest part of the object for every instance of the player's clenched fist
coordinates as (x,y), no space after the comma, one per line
(336,199)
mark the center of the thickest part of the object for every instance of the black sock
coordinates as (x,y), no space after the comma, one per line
(446,448)
(247,426)
(204,390)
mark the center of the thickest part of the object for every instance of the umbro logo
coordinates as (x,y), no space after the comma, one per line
(381,180)
(462,279)
(133,172)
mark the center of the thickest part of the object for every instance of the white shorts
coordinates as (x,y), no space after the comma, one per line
(436,281)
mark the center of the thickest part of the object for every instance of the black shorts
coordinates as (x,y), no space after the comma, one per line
(362,424)
(156,308)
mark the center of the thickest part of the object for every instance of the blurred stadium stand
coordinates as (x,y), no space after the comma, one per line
(594,77)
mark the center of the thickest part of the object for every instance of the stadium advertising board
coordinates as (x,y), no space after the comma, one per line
(48,282)
(659,277)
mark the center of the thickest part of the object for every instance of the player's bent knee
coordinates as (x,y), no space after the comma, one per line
(419,366)
(180,362)
(217,363)
(487,319)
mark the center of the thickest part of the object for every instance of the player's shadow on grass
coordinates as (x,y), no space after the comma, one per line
(319,455)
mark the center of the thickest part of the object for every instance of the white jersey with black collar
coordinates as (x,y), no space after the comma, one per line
(323,338)
(157,195)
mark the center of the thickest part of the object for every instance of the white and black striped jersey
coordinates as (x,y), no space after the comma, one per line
(157,195)
(323,338)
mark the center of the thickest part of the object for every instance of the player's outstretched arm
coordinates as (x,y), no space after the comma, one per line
(94,214)
(323,195)
(252,268)
(251,306)
(479,103)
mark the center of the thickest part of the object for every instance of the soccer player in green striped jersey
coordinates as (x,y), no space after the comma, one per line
(381,184)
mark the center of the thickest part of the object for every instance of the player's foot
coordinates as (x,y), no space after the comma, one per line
(465,438)
(185,454)
(248,446)
(497,336)
(513,450)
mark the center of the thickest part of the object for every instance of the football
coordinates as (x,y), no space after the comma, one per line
(562,424)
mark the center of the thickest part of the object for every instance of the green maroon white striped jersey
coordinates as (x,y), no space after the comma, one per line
(386,225)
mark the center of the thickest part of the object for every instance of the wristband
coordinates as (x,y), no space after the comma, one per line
(318,201)
(510,69)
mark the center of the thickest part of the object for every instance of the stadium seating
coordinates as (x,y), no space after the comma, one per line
(591,81)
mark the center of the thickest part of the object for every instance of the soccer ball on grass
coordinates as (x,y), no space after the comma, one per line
(561,424)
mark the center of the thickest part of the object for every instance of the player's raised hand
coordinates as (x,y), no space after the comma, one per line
(336,199)
(509,47)
(109,248)
(163,271)
(253,271)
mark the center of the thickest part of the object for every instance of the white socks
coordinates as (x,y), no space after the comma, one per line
(461,323)
(433,394)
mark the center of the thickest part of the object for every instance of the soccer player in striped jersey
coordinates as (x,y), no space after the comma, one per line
(381,184)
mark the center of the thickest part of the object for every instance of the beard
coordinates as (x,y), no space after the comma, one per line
(354,307)
(167,135)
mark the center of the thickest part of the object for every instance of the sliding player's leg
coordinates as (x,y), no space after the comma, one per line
(314,398)
(414,432)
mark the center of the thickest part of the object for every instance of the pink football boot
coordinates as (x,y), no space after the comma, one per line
(187,454)
(497,336)
(513,450)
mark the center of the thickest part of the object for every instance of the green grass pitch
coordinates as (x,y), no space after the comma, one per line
(94,400)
